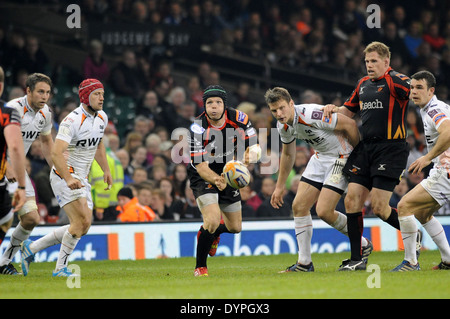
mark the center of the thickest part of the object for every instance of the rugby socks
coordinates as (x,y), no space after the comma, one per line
(53,238)
(204,242)
(393,219)
(408,228)
(303,233)
(436,231)
(19,235)
(340,224)
(68,244)
(221,229)
(355,229)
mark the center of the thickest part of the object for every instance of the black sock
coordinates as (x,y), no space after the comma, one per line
(220,230)
(2,236)
(204,243)
(393,219)
(355,229)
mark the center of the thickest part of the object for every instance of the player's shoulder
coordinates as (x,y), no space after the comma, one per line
(17,103)
(309,112)
(399,78)
(102,115)
(239,117)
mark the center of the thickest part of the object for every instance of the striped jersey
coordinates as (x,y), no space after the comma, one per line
(8,115)
(383,104)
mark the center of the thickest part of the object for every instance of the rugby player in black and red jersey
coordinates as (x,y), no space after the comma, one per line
(377,163)
(218,135)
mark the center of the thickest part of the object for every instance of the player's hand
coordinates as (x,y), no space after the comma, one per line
(19,199)
(419,164)
(328,110)
(74,183)
(220,182)
(277,198)
(107,178)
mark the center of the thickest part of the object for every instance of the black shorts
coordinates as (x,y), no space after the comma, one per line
(200,187)
(377,164)
(5,201)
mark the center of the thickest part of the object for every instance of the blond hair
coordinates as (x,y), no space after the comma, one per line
(381,48)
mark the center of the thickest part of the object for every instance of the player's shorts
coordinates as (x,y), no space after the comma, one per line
(377,164)
(5,203)
(437,184)
(326,171)
(64,195)
(229,199)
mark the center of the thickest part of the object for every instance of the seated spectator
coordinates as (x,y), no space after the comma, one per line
(130,210)
(175,205)
(124,159)
(159,205)
(180,179)
(138,157)
(95,65)
(139,175)
(126,78)
(189,208)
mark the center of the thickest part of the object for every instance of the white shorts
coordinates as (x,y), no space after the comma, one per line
(437,184)
(65,195)
(326,171)
(29,189)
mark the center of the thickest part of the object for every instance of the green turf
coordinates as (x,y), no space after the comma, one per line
(252,277)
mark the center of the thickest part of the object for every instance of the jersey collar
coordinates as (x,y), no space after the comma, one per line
(431,102)
(384,75)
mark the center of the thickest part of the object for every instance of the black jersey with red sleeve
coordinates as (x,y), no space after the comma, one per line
(218,145)
(383,104)
(8,115)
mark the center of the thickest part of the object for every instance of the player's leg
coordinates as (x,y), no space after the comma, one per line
(80,217)
(325,208)
(415,201)
(211,214)
(29,218)
(354,202)
(437,187)
(307,193)
(380,195)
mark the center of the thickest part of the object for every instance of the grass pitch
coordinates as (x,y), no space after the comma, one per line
(245,277)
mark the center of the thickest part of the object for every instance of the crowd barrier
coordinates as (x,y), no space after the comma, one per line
(178,239)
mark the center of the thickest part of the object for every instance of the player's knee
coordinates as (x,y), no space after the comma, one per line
(324,212)
(30,220)
(235,229)
(403,208)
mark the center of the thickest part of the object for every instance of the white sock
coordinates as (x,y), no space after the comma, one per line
(303,233)
(51,239)
(17,237)
(341,225)
(408,228)
(68,244)
(437,233)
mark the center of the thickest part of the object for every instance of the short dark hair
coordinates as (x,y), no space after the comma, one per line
(276,94)
(35,78)
(427,76)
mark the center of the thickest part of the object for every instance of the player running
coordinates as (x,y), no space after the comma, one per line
(216,136)
(322,181)
(77,144)
(434,191)
(36,124)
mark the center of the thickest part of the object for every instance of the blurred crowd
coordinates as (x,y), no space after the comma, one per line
(150,159)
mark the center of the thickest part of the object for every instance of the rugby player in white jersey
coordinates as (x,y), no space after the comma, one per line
(434,191)
(77,144)
(322,181)
(36,124)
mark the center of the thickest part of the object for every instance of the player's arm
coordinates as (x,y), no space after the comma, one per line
(287,161)
(442,144)
(13,137)
(210,176)
(47,145)
(102,160)
(60,164)
(348,128)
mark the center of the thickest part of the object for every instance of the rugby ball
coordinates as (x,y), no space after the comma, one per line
(236,174)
